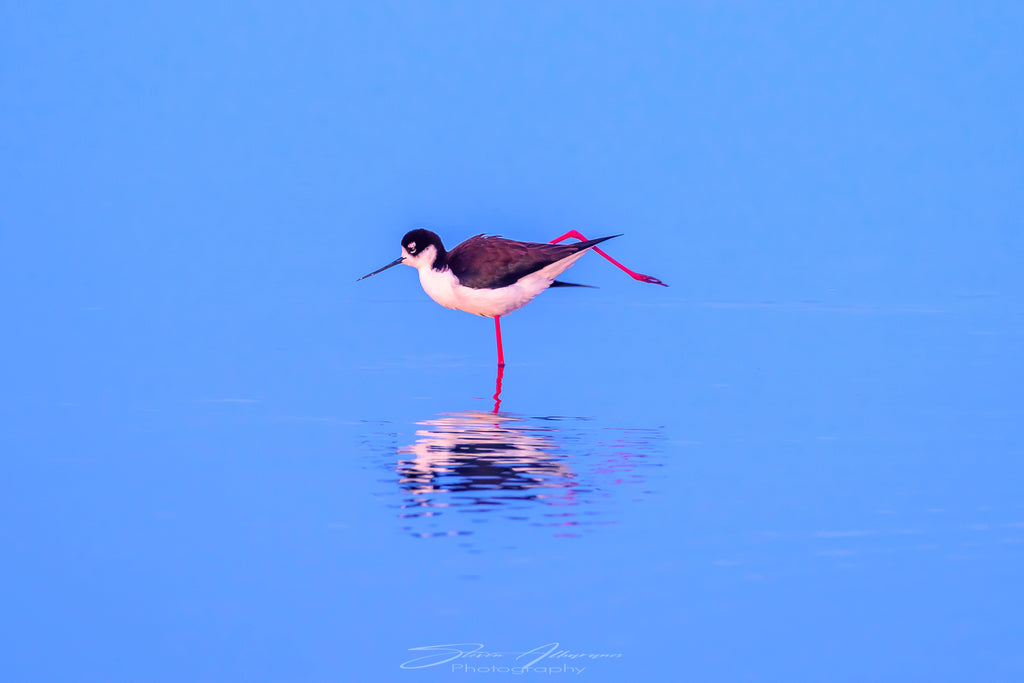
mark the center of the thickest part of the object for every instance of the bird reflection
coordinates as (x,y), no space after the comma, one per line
(497,389)
(567,474)
(482,461)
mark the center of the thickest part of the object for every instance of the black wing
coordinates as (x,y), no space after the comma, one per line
(493,262)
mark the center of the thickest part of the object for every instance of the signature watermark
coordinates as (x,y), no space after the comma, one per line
(474,658)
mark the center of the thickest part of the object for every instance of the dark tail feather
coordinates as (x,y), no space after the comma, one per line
(557,283)
(580,246)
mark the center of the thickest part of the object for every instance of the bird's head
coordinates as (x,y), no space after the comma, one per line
(420,249)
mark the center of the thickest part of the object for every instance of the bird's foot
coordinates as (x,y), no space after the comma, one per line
(648,279)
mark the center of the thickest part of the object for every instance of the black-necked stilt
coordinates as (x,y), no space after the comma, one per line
(493,276)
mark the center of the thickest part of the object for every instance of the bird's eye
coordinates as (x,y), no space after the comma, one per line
(411,247)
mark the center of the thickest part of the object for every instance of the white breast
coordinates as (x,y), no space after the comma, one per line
(440,286)
(443,287)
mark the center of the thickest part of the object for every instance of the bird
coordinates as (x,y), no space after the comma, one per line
(490,276)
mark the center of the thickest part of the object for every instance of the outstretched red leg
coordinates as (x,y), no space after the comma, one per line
(497,333)
(633,274)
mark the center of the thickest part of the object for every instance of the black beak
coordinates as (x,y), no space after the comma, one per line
(380,270)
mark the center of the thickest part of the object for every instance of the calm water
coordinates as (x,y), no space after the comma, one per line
(695,490)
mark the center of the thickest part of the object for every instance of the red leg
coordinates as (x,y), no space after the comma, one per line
(631,273)
(497,332)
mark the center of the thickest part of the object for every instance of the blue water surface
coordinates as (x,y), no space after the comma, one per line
(830,490)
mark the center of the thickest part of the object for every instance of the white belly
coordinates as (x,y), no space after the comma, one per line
(444,288)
